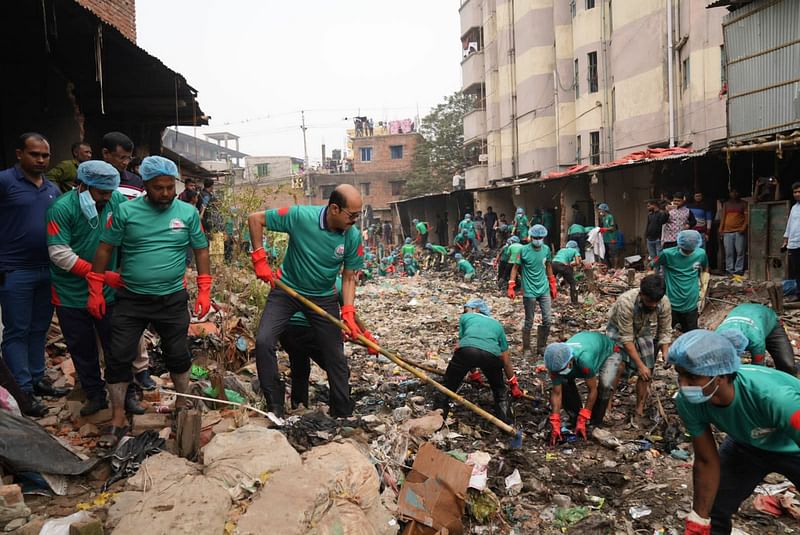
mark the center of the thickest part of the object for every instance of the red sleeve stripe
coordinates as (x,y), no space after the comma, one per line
(284,210)
(53,228)
(360,251)
(795,420)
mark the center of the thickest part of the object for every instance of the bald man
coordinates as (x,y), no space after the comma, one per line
(323,240)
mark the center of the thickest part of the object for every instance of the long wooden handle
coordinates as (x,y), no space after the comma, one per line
(400,362)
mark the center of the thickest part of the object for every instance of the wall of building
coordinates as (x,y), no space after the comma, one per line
(280,169)
(118,13)
(381,152)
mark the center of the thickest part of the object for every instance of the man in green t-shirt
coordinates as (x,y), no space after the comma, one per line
(758,408)
(520,227)
(65,173)
(588,356)
(467,228)
(421,228)
(538,285)
(410,266)
(152,233)
(463,266)
(74,224)
(437,255)
(764,333)
(609,229)
(563,263)
(482,344)
(577,233)
(683,266)
(408,248)
(502,261)
(323,241)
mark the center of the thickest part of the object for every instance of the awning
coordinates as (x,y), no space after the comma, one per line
(634,158)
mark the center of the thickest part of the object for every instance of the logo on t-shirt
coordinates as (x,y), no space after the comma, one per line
(177,224)
(761,432)
(339,252)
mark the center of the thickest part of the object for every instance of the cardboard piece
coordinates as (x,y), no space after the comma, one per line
(433,495)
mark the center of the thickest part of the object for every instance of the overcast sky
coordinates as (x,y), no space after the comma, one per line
(257,63)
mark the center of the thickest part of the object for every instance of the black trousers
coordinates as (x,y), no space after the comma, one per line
(794,265)
(7,381)
(301,345)
(169,317)
(467,358)
(687,320)
(491,238)
(742,468)
(280,307)
(503,271)
(79,327)
(565,270)
(780,349)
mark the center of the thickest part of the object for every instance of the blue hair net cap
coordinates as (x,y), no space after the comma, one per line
(408,240)
(688,240)
(538,231)
(557,356)
(467,216)
(737,339)
(705,353)
(428,246)
(520,211)
(514,239)
(480,304)
(154,166)
(415,221)
(98,174)
(572,244)
(458,256)
(602,206)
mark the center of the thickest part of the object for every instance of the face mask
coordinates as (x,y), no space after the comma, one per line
(537,243)
(565,371)
(694,394)
(88,206)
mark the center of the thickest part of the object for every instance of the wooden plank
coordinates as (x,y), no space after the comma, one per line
(187,436)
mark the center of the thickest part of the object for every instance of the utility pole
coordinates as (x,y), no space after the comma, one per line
(307,177)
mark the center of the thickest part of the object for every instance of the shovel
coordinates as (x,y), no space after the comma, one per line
(497,422)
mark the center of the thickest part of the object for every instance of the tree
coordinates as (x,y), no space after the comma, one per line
(440,153)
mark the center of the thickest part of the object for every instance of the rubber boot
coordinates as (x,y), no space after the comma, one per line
(526,344)
(132,405)
(541,339)
(573,295)
(181,383)
(503,411)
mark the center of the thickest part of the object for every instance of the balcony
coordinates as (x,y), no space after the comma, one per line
(471,16)
(474,125)
(476,176)
(472,71)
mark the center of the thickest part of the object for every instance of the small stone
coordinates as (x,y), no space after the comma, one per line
(16,524)
(561,500)
(88,430)
(370,419)
(401,414)
(380,429)
(86,527)
(48,421)
(150,421)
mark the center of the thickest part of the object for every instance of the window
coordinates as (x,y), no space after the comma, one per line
(325,191)
(572,8)
(366,154)
(723,67)
(364,189)
(397,187)
(589,4)
(685,74)
(578,149)
(594,148)
(576,82)
(262,170)
(396,152)
(592,72)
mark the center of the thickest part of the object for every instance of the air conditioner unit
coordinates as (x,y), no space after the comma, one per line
(483,158)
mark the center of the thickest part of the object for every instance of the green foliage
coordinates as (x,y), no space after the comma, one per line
(440,154)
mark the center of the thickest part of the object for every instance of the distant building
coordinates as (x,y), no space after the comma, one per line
(199,158)
(272,169)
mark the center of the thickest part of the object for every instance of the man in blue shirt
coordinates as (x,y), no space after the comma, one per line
(25,196)
(791,238)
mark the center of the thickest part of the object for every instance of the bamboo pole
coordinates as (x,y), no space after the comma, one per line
(400,362)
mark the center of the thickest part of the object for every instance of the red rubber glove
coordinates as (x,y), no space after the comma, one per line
(368,336)
(476,377)
(553,286)
(516,391)
(96,305)
(113,279)
(603,229)
(81,268)
(349,318)
(758,359)
(203,303)
(261,266)
(511,294)
(697,525)
(494,263)
(583,416)
(555,428)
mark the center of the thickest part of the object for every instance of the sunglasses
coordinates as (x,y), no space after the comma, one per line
(352,215)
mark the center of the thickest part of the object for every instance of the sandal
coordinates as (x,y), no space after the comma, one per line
(110,440)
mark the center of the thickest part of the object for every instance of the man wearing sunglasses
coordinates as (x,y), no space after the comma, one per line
(323,241)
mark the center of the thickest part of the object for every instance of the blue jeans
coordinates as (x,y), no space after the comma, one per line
(653,248)
(735,244)
(545,303)
(27,312)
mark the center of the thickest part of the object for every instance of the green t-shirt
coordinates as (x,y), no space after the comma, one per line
(299,318)
(534,272)
(469,226)
(481,332)
(514,249)
(63,175)
(153,244)
(576,229)
(439,249)
(607,221)
(590,351)
(504,252)
(755,322)
(422,227)
(682,275)
(66,225)
(566,255)
(407,248)
(521,222)
(465,266)
(460,238)
(315,255)
(763,414)
(411,268)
